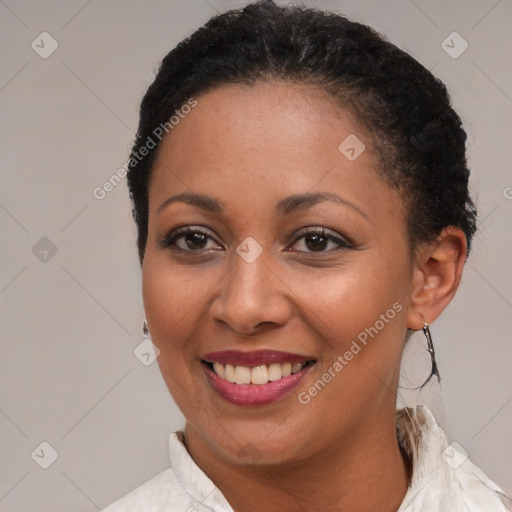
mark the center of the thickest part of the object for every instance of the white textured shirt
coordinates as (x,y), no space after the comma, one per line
(443,480)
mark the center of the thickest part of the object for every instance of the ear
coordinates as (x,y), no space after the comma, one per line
(437,273)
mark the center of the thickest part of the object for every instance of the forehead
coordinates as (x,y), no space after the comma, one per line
(289,116)
(273,138)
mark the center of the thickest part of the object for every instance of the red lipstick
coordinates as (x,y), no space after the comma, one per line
(256,358)
(251,394)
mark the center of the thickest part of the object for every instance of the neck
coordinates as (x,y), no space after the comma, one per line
(366,473)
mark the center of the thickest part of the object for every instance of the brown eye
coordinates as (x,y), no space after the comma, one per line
(316,242)
(319,241)
(195,240)
(188,239)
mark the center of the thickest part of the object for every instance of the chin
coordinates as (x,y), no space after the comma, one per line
(256,441)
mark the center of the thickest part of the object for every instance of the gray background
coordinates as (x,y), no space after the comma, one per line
(70,321)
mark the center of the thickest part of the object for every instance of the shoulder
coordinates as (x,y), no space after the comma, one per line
(444,478)
(161,493)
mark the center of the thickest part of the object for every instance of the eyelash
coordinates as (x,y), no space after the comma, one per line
(168,241)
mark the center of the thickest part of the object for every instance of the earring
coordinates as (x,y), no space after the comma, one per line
(145,328)
(435,371)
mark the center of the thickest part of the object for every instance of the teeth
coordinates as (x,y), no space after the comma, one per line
(274,372)
(229,371)
(242,375)
(297,367)
(257,374)
(219,370)
(286,369)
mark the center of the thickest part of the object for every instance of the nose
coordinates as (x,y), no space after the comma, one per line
(252,299)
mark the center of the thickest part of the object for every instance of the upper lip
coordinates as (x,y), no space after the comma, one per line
(256,358)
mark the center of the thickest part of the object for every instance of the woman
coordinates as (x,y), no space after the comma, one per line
(300,192)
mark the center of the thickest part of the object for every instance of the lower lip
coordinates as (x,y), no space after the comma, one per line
(255,394)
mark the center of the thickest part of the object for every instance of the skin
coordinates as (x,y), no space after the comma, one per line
(250,147)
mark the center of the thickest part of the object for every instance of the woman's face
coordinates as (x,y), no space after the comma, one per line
(257,289)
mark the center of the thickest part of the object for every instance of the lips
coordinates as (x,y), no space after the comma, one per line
(257,358)
(255,378)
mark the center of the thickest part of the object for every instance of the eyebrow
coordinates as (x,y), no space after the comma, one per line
(286,206)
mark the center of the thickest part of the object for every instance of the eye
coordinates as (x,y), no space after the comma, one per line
(318,240)
(196,239)
(189,239)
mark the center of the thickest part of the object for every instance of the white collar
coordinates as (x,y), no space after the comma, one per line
(444,478)
(192,477)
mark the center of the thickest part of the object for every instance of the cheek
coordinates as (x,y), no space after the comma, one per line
(171,297)
(353,297)
(358,313)
(169,291)
(174,301)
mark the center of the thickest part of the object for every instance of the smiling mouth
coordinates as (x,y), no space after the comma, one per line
(256,378)
(259,375)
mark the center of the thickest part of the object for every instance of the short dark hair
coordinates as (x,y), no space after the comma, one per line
(405,109)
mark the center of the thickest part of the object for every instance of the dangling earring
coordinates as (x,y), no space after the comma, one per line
(435,371)
(145,328)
